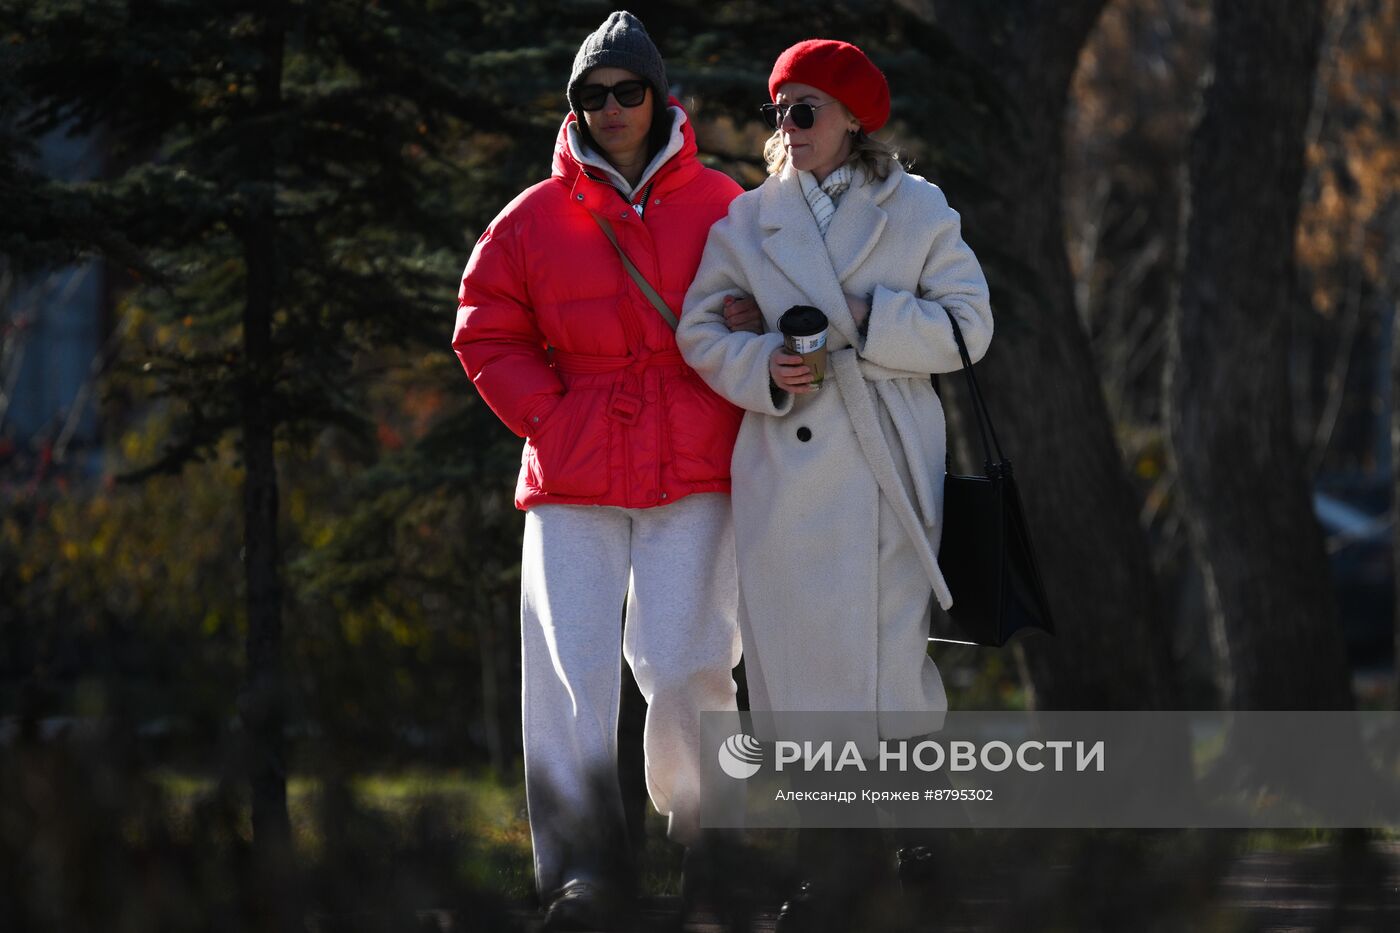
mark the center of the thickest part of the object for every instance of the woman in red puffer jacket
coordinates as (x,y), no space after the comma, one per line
(625,473)
(568,351)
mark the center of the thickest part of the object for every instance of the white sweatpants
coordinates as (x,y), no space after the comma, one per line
(675,566)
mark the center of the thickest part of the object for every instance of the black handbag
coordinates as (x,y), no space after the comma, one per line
(985,553)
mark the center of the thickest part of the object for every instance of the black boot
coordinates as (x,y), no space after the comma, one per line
(808,910)
(920,880)
(586,907)
(846,871)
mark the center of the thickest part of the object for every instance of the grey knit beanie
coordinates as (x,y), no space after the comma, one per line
(621,42)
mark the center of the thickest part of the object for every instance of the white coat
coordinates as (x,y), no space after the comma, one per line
(838,494)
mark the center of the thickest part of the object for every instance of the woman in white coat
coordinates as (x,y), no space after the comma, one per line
(838,492)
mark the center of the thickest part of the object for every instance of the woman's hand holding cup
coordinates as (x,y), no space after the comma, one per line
(789,372)
(804,348)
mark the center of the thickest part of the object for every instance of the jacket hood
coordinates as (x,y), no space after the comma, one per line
(679,168)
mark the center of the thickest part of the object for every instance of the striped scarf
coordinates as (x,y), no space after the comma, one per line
(823,198)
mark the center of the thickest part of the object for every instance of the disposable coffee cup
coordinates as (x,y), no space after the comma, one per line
(804,333)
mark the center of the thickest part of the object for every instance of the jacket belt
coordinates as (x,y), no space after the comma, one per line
(587,364)
(626,399)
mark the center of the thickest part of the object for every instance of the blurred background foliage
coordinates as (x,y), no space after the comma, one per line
(123,619)
(401,540)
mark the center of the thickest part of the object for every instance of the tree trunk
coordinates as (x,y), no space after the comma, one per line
(1395,490)
(1388,293)
(1395,487)
(1244,486)
(262,705)
(1111,650)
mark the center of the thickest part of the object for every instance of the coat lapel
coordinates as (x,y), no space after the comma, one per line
(816,267)
(794,245)
(857,224)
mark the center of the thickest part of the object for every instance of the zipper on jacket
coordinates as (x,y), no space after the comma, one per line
(639,206)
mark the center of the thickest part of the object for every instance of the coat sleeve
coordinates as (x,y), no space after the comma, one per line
(735,364)
(498,339)
(911,332)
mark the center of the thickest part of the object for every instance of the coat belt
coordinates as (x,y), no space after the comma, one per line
(856,394)
(891,387)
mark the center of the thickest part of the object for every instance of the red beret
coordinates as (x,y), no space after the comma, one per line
(841,70)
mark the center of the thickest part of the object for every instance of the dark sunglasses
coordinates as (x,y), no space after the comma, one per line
(803,115)
(628,93)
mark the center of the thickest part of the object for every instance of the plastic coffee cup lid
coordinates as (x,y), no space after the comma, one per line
(802,321)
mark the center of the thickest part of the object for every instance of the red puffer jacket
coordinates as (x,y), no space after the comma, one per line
(568,352)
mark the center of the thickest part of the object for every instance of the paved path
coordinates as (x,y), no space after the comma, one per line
(1277,892)
(1269,892)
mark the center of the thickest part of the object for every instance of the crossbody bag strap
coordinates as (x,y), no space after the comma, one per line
(637,277)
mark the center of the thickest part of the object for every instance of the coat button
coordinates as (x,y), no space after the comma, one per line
(663,495)
(623,215)
(579,196)
(656,202)
(804,434)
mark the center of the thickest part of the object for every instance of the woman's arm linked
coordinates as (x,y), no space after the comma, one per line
(733,363)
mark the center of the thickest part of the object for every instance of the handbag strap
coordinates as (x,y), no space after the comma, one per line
(984,419)
(637,276)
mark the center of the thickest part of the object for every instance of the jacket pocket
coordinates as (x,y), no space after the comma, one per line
(568,456)
(703,427)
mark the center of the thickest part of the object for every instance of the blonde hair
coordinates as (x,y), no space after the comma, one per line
(873,156)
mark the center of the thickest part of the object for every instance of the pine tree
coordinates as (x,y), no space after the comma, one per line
(289,185)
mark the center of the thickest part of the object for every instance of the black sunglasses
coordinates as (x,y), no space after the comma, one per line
(628,93)
(803,115)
